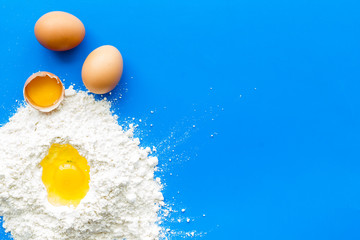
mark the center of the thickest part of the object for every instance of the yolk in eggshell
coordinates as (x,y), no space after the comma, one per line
(44,91)
(65,175)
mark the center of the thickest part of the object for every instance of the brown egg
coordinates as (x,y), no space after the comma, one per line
(102,69)
(44,91)
(59,31)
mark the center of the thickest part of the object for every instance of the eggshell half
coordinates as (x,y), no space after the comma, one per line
(44,74)
(102,69)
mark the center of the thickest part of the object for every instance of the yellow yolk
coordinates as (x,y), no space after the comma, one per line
(43,91)
(65,175)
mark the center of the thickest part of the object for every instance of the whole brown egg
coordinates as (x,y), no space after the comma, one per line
(59,31)
(102,69)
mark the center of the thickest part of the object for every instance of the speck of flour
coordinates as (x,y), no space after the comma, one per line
(124,198)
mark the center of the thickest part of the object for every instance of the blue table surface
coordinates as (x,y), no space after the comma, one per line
(272,88)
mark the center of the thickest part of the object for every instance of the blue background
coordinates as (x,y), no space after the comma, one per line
(275,82)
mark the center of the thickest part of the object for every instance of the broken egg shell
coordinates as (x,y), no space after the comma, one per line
(44,74)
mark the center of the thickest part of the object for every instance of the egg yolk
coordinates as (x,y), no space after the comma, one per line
(43,91)
(65,175)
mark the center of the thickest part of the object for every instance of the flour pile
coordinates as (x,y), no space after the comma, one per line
(124,198)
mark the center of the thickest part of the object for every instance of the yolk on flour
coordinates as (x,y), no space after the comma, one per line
(65,175)
(44,91)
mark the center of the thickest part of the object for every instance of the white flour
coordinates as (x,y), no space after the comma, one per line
(124,198)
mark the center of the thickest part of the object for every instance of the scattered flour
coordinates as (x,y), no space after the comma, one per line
(124,198)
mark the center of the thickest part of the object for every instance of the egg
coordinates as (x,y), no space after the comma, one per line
(102,69)
(43,91)
(59,31)
(66,175)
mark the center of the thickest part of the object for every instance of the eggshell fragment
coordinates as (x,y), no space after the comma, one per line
(102,69)
(59,31)
(43,75)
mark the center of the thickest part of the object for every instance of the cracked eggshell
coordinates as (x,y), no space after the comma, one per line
(44,74)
